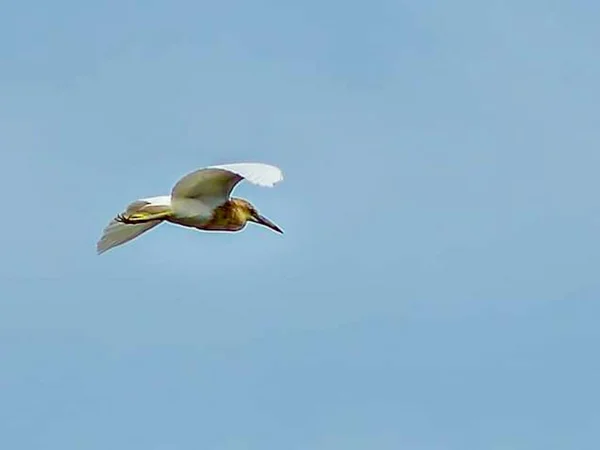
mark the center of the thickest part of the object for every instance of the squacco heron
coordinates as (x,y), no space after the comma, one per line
(201,200)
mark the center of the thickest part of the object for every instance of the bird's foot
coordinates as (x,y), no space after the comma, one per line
(122,219)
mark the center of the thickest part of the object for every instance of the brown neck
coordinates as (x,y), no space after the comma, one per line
(227,217)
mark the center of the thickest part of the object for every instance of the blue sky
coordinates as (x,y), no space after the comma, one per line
(437,285)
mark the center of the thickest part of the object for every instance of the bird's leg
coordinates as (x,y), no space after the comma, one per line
(133,219)
(142,217)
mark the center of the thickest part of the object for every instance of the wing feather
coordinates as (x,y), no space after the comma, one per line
(199,192)
(117,233)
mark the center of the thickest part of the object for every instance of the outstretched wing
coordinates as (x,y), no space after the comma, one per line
(199,192)
(117,233)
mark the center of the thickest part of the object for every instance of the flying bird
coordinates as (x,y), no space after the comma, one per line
(201,200)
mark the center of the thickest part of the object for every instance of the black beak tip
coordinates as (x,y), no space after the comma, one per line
(267,223)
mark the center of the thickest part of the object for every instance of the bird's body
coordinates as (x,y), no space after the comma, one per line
(199,200)
(230,216)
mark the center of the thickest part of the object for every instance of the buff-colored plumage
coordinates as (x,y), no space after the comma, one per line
(200,200)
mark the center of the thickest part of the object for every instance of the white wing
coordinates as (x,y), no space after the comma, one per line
(199,192)
(117,233)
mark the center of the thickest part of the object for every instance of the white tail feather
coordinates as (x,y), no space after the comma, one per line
(117,233)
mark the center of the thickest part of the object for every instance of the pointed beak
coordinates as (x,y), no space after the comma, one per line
(267,223)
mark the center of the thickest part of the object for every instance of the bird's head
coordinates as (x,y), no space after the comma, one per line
(251,214)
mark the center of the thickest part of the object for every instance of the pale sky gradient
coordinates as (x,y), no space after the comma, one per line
(437,285)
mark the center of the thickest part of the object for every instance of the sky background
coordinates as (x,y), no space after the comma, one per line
(437,284)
